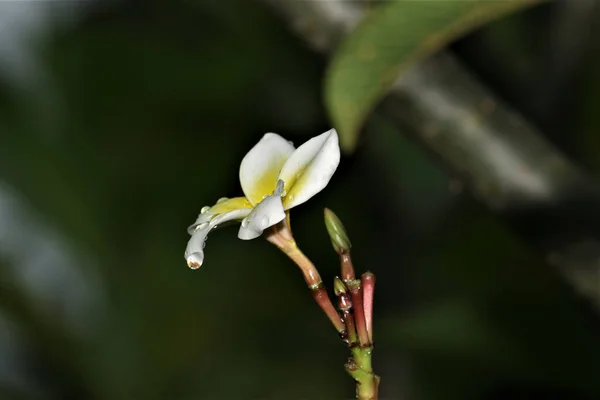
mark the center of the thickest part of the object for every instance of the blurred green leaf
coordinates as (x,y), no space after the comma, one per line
(390,41)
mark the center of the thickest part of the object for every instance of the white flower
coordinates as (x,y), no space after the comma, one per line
(274,177)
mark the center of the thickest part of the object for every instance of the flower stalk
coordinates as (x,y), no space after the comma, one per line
(355,302)
(281,236)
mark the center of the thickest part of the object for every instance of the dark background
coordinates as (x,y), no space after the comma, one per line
(119,120)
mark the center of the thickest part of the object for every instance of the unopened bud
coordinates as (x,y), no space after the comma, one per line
(337,232)
(338,286)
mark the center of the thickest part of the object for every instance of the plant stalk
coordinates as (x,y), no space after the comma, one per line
(281,236)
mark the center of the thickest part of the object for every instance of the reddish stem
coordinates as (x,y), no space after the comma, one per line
(320,295)
(368,290)
(347,267)
(359,312)
(281,236)
(354,285)
(345,306)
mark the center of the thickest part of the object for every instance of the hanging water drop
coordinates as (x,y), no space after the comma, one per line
(222,199)
(204,209)
(195,260)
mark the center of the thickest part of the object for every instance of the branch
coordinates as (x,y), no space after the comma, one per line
(505,162)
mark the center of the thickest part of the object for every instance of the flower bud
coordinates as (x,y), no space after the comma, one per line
(338,286)
(337,232)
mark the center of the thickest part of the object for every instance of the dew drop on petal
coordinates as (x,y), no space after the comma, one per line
(222,199)
(204,209)
(245,222)
(201,226)
(264,222)
(279,187)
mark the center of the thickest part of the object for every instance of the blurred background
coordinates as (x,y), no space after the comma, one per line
(119,120)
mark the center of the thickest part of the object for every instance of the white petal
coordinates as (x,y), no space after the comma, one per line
(194,252)
(310,168)
(261,166)
(222,206)
(267,213)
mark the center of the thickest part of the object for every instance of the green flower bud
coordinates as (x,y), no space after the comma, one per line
(337,232)
(338,286)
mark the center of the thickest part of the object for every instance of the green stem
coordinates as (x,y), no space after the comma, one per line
(360,368)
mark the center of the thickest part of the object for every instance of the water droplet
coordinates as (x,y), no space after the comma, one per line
(195,260)
(290,142)
(215,227)
(222,199)
(283,193)
(201,226)
(279,187)
(204,209)
(245,222)
(264,222)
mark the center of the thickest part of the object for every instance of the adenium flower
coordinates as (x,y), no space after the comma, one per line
(274,177)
